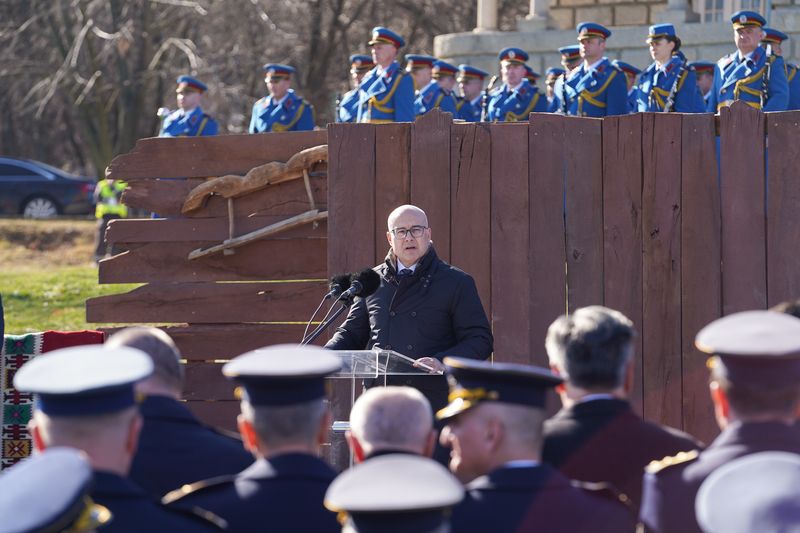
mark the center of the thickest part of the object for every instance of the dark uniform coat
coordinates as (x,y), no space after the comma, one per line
(175,448)
(194,124)
(136,511)
(436,312)
(536,498)
(282,494)
(671,485)
(747,78)
(603,440)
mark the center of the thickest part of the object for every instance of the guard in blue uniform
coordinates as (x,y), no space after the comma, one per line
(348,105)
(470,105)
(669,83)
(386,93)
(494,425)
(749,74)
(552,77)
(516,98)
(630,78)
(773,39)
(85,399)
(189,120)
(704,72)
(420,67)
(531,75)
(755,369)
(570,60)
(439,92)
(284,419)
(283,109)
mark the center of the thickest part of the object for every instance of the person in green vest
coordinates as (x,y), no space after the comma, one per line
(108,197)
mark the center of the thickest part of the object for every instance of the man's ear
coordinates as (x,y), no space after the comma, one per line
(248,433)
(355,447)
(722,407)
(430,444)
(36,434)
(389,238)
(132,439)
(323,432)
(494,434)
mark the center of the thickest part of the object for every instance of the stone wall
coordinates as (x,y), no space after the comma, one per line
(567,13)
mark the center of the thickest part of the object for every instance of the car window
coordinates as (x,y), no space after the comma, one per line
(14,170)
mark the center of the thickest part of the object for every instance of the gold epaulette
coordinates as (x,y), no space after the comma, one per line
(671,460)
(189,488)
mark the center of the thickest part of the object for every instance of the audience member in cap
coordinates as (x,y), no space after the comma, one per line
(175,448)
(597,436)
(773,41)
(391,420)
(749,74)
(570,57)
(516,98)
(669,83)
(470,81)
(755,493)
(531,75)
(386,93)
(630,78)
(282,109)
(189,120)
(84,398)
(493,425)
(49,493)
(552,77)
(348,105)
(396,493)
(439,92)
(704,71)
(755,389)
(284,421)
(596,88)
(420,67)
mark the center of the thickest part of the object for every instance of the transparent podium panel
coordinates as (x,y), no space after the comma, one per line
(358,365)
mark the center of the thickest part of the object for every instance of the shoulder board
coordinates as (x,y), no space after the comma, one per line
(671,460)
(603,490)
(190,488)
(614,67)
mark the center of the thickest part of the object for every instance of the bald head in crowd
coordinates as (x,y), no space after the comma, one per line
(168,374)
(391,419)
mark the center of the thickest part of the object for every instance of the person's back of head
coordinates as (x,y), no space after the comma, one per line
(390,418)
(168,373)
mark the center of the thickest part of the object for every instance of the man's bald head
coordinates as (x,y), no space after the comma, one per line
(168,374)
(407,211)
(409,235)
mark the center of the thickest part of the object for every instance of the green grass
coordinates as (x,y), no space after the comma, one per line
(42,299)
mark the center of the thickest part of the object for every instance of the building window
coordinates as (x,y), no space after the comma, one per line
(721,10)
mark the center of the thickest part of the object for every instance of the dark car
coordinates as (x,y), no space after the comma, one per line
(37,190)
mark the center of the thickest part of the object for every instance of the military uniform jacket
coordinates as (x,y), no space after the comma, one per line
(669,491)
(512,105)
(655,86)
(176,449)
(136,511)
(348,107)
(281,494)
(597,92)
(744,80)
(434,96)
(293,114)
(469,111)
(434,313)
(536,498)
(196,123)
(794,86)
(603,440)
(386,97)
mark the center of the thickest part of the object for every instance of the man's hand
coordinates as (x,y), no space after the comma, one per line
(436,366)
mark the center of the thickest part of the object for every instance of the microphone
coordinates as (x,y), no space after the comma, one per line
(338,285)
(362,284)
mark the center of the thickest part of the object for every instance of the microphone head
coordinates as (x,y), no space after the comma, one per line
(339,284)
(369,281)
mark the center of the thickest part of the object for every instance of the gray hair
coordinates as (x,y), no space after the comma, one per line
(397,418)
(591,347)
(283,425)
(167,368)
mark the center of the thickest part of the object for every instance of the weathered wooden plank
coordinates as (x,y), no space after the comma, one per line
(584,205)
(208,303)
(701,282)
(510,231)
(220,414)
(661,243)
(430,175)
(268,259)
(190,157)
(546,255)
(744,276)
(392,177)
(204,381)
(470,206)
(783,222)
(622,227)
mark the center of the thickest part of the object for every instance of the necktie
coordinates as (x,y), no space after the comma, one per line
(405,273)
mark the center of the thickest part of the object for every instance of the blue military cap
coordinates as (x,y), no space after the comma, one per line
(473,382)
(554,72)
(660,31)
(570,53)
(466,72)
(761,348)
(740,19)
(394,493)
(188,82)
(757,492)
(531,74)
(84,380)
(418,61)
(513,55)
(277,70)
(361,62)
(385,35)
(49,492)
(587,30)
(626,67)
(703,66)
(771,35)
(284,374)
(443,68)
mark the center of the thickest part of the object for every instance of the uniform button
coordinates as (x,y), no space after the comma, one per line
(409,347)
(413,313)
(392,313)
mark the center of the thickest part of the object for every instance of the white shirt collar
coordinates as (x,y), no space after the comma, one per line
(279,102)
(741,57)
(593,66)
(401,266)
(599,396)
(521,463)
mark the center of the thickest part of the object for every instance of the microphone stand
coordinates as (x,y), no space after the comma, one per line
(326,324)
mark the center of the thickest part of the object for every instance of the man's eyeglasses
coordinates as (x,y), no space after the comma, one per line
(415,231)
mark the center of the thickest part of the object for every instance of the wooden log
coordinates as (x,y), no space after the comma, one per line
(392,177)
(204,381)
